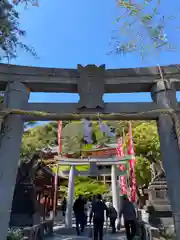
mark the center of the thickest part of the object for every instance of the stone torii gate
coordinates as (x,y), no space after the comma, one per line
(92,171)
(90,82)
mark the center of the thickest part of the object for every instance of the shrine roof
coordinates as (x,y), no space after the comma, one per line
(104,147)
(111,145)
(55,149)
(47,170)
(50,149)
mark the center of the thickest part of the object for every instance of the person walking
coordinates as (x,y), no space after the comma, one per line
(129,213)
(79,213)
(64,205)
(97,213)
(93,199)
(112,214)
(85,212)
(89,208)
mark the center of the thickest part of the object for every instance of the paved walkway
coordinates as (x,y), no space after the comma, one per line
(65,234)
(118,236)
(61,233)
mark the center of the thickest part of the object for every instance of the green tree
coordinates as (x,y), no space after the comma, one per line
(38,137)
(146,141)
(147,149)
(73,135)
(142,169)
(142,28)
(122,127)
(11,32)
(33,2)
(87,187)
(145,137)
(29,124)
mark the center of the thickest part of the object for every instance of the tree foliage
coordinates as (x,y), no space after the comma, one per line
(29,124)
(142,169)
(39,137)
(145,138)
(88,187)
(147,148)
(146,141)
(26,2)
(73,135)
(11,33)
(142,28)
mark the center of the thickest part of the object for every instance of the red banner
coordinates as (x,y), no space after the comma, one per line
(132,165)
(120,153)
(60,136)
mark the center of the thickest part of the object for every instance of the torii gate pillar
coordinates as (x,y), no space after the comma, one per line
(165,97)
(16,96)
(115,188)
(70,197)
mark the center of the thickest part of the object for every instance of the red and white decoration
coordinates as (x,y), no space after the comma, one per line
(60,136)
(132,165)
(120,153)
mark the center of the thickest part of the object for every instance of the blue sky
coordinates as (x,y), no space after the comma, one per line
(70,32)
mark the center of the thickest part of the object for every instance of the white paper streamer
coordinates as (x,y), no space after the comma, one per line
(105,129)
(87,131)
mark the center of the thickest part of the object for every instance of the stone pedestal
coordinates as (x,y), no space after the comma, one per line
(158,205)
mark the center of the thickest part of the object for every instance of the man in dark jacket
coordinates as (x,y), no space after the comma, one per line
(129,213)
(64,205)
(79,213)
(112,214)
(97,212)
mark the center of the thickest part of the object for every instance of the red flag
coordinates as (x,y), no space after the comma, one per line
(120,153)
(132,164)
(60,136)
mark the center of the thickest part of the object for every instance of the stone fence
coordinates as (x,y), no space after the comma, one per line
(146,231)
(38,231)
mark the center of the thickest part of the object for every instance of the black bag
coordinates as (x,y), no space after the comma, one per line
(112,213)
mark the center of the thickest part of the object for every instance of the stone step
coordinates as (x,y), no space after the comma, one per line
(158,207)
(157,202)
(159,182)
